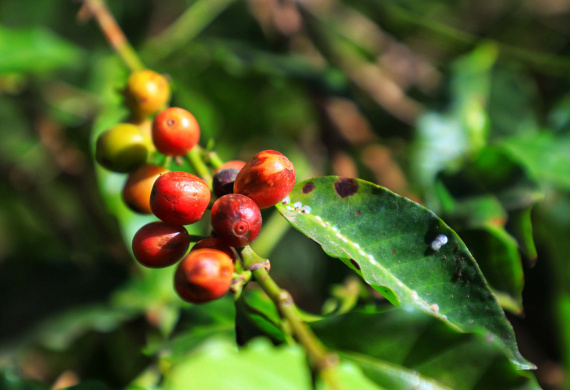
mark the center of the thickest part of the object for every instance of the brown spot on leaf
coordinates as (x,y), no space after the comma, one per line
(355,264)
(393,252)
(357,212)
(345,187)
(307,188)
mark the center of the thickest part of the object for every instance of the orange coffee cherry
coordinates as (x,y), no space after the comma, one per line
(137,189)
(204,275)
(147,92)
(267,178)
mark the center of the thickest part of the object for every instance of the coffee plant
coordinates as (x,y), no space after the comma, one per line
(229,241)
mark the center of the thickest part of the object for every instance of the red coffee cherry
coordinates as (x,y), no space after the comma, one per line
(267,178)
(204,275)
(236,220)
(215,243)
(233,164)
(223,182)
(146,92)
(160,244)
(180,198)
(175,131)
(137,189)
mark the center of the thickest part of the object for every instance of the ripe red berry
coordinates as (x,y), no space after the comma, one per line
(180,198)
(267,178)
(160,244)
(236,220)
(137,189)
(233,164)
(175,131)
(204,275)
(215,243)
(146,92)
(223,182)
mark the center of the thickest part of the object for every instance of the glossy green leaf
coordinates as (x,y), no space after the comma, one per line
(404,349)
(219,365)
(391,242)
(35,50)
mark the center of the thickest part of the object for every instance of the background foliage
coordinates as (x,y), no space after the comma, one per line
(461,106)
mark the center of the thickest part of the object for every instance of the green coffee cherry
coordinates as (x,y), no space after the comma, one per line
(122,148)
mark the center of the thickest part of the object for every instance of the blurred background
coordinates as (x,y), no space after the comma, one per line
(462,106)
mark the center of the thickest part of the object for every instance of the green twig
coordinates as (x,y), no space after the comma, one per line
(194,157)
(322,361)
(115,36)
(213,159)
(185,28)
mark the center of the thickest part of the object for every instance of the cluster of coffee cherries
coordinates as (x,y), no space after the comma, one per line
(180,198)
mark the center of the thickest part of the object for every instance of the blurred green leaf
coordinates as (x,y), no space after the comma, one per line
(10,379)
(390,240)
(519,225)
(500,262)
(349,376)
(89,385)
(218,365)
(198,322)
(404,348)
(545,155)
(255,310)
(494,172)
(60,332)
(35,50)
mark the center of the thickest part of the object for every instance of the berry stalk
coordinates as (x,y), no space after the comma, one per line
(323,361)
(194,157)
(114,34)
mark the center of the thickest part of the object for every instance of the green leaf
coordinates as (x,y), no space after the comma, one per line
(519,225)
(349,376)
(500,262)
(404,348)
(495,172)
(255,312)
(202,321)
(60,332)
(544,154)
(390,240)
(218,365)
(35,50)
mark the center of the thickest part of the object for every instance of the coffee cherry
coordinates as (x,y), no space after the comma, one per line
(223,182)
(145,127)
(175,131)
(236,220)
(233,164)
(122,148)
(147,92)
(180,198)
(204,275)
(267,178)
(160,244)
(215,243)
(137,189)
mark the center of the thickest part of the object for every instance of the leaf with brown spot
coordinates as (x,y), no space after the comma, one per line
(417,275)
